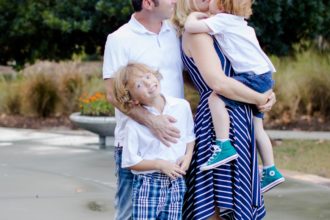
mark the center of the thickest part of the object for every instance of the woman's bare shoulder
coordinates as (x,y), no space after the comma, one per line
(191,41)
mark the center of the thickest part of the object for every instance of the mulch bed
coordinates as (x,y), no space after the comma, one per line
(16,121)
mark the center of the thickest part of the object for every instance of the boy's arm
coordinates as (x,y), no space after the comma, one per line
(185,160)
(172,170)
(195,24)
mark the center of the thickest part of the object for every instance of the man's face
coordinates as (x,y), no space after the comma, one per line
(164,8)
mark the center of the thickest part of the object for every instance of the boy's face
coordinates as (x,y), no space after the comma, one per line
(143,87)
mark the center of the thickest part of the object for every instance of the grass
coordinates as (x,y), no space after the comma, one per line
(303,156)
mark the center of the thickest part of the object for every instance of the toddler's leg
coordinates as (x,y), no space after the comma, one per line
(271,177)
(223,151)
(220,116)
(264,145)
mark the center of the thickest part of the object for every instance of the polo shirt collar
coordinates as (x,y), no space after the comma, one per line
(169,102)
(138,27)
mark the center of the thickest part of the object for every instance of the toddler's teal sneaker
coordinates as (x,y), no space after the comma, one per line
(222,154)
(271,177)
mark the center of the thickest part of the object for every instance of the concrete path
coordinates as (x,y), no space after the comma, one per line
(62,175)
(304,135)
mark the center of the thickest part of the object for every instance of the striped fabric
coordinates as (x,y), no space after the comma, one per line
(234,187)
(156,196)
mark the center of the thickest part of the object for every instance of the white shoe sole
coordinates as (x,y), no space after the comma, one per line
(203,168)
(272,185)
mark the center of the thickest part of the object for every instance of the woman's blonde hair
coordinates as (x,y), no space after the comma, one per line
(181,12)
(236,7)
(121,79)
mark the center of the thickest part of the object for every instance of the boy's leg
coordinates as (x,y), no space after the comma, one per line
(174,200)
(146,194)
(223,151)
(271,177)
(123,202)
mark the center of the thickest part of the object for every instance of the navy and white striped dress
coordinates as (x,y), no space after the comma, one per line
(234,187)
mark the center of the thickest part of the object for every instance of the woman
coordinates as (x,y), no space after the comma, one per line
(232,189)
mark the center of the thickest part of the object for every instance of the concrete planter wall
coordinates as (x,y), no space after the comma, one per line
(103,126)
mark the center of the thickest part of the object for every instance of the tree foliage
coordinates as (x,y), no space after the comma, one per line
(57,29)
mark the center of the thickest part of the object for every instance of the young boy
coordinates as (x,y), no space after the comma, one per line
(252,67)
(158,184)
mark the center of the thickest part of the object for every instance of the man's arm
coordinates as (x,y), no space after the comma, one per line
(160,125)
(194,23)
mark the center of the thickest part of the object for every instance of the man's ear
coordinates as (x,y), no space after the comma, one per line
(148,4)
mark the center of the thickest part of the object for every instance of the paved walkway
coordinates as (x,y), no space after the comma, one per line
(63,175)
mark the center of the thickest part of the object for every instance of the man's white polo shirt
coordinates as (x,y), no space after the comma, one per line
(141,144)
(134,43)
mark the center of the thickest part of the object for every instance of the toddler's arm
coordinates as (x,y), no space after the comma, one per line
(195,23)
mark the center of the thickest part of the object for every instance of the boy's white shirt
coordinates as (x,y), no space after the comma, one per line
(239,43)
(141,144)
(134,43)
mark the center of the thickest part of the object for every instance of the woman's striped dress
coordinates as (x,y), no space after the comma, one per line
(234,187)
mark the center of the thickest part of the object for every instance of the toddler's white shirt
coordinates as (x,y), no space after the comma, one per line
(239,43)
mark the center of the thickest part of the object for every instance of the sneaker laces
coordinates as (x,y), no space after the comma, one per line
(215,149)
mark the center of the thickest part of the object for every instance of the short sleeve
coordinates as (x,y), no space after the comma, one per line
(130,155)
(190,134)
(114,57)
(216,24)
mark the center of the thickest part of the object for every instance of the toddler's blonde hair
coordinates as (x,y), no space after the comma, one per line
(236,7)
(120,83)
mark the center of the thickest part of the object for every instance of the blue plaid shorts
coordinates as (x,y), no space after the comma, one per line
(156,196)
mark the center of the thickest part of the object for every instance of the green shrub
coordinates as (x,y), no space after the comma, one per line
(302,86)
(42,95)
(71,87)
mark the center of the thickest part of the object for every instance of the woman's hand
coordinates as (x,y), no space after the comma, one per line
(269,104)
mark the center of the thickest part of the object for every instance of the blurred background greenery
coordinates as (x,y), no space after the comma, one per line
(56,50)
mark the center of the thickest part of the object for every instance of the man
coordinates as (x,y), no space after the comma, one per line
(147,38)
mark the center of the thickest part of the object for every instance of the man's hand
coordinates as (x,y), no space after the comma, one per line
(162,126)
(269,104)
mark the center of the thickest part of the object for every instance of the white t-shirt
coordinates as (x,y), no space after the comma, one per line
(134,43)
(239,43)
(141,144)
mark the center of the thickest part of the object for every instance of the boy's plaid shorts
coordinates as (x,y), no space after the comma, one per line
(156,196)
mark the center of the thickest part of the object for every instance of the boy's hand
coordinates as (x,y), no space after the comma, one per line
(184,162)
(172,170)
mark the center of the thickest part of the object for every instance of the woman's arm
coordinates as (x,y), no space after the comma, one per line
(200,47)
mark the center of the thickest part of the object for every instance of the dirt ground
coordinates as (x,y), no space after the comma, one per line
(304,124)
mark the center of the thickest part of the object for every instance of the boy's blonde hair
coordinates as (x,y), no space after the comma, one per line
(236,7)
(120,83)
